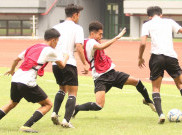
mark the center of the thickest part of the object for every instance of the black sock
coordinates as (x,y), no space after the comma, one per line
(90,106)
(181,91)
(2,114)
(70,106)
(141,88)
(36,116)
(157,102)
(58,101)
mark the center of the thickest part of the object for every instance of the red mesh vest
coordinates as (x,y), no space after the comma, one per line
(101,61)
(31,57)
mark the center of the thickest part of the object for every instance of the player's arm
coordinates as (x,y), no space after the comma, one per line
(62,64)
(80,51)
(141,61)
(180,30)
(12,70)
(110,42)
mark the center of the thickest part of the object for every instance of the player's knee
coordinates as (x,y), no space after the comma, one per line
(50,105)
(97,107)
(12,105)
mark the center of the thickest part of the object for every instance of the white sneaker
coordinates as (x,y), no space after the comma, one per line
(54,118)
(151,105)
(161,119)
(27,129)
(66,124)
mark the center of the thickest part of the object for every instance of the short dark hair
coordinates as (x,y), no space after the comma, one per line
(71,9)
(154,10)
(95,26)
(50,34)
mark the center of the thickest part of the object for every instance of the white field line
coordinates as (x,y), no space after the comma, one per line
(167,79)
(127,91)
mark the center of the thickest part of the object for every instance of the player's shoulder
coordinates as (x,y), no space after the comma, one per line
(48,50)
(58,26)
(92,42)
(78,27)
(168,20)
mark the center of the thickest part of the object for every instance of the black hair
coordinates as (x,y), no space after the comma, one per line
(95,26)
(71,9)
(154,10)
(50,34)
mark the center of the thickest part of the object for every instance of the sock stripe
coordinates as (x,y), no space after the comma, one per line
(2,111)
(39,112)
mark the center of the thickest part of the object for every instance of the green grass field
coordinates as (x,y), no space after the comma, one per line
(123,114)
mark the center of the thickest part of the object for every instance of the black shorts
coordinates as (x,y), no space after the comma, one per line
(31,94)
(110,79)
(159,63)
(66,76)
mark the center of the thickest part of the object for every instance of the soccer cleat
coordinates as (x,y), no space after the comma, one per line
(75,111)
(161,119)
(54,118)
(150,104)
(27,130)
(66,124)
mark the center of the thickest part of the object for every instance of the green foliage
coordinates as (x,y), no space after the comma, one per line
(123,113)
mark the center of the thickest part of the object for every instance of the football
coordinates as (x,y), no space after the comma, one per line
(174,115)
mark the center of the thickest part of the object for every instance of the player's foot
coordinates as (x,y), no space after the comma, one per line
(27,129)
(75,111)
(66,124)
(54,118)
(150,104)
(161,119)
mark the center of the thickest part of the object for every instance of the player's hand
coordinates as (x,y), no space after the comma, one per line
(121,33)
(10,73)
(141,63)
(66,56)
(85,69)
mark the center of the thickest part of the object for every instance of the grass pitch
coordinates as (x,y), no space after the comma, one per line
(123,113)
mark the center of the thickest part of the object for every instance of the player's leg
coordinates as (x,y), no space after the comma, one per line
(8,107)
(35,95)
(46,105)
(156,84)
(174,70)
(178,82)
(15,99)
(101,86)
(142,90)
(59,97)
(71,82)
(70,106)
(57,104)
(140,87)
(157,66)
(92,106)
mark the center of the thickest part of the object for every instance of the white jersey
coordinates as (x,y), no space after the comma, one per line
(90,55)
(160,30)
(71,34)
(48,54)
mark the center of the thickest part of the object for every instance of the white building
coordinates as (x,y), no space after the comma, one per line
(16,16)
(137,9)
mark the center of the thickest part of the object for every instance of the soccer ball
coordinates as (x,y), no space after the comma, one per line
(174,115)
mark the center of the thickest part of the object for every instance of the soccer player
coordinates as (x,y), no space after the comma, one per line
(104,75)
(72,38)
(163,57)
(24,85)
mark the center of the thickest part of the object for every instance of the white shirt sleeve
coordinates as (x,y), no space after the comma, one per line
(175,26)
(79,35)
(90,46)
(47,55)
(145,30)
(21,55)
(52,56)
